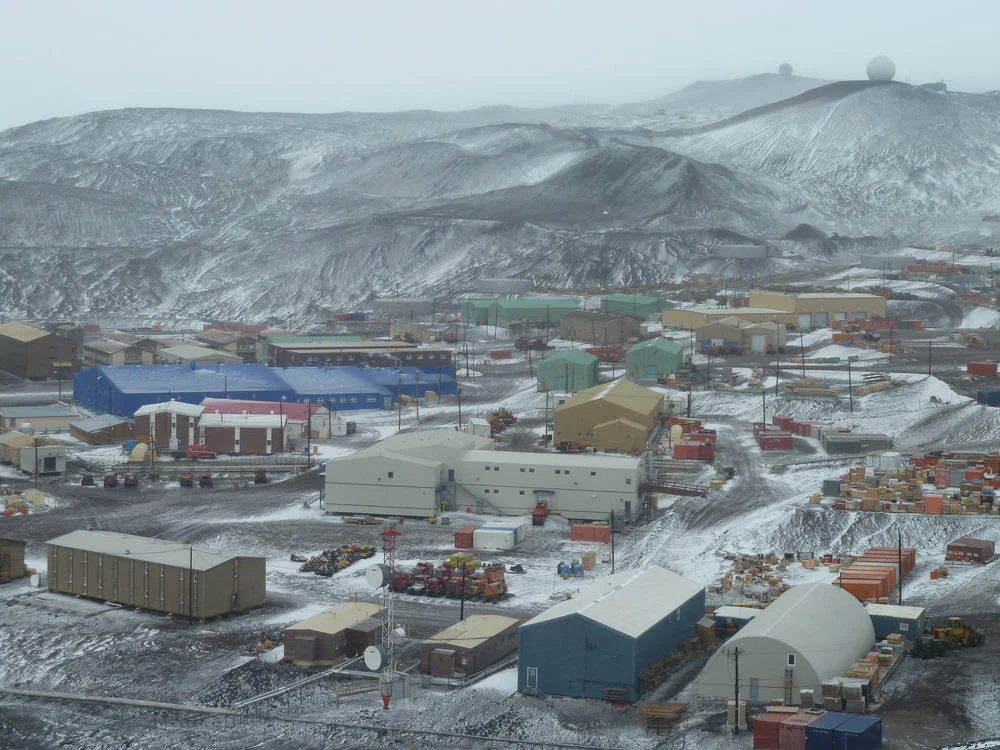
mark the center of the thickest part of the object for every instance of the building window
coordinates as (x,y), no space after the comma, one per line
(566,471)
(487,468)
(628,480)
(903,627)
(593,473)
(791,660)
(558,471)
(531,471)
(522,469)
(496,468)
(522,492)
(389,474)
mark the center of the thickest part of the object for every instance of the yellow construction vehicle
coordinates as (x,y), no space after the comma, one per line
(957,634)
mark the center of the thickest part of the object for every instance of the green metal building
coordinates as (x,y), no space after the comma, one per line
(654,357)
(569,371)
(305,340)
(479,312)
(636,305)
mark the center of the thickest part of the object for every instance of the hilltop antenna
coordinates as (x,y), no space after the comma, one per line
(379,576)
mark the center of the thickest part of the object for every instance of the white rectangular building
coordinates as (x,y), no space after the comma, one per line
(419,473)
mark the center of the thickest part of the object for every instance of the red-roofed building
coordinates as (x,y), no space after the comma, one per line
(323,422)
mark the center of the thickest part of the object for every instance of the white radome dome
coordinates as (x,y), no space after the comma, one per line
(881,68)
(784,69)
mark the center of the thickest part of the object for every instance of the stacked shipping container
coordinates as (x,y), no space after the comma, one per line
(590,532)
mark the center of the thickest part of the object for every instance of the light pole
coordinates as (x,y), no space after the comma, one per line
(281,421)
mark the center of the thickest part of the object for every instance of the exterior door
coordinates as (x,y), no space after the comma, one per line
(758,343)
(531,679)
(822,319)
(451,475)
(805,320)
(754,689)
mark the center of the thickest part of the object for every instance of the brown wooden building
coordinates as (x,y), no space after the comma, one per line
(11,559)
(359,353)
(33,353)
(343,630)
(170,424)
(105,429)
(469,646)
(257,434)
(155,574)
(971,550)
(598,328)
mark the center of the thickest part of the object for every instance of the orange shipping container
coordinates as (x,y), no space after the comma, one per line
(933,505)
(981,368)
(860,588)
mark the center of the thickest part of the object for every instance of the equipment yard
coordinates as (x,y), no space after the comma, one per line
(68,660)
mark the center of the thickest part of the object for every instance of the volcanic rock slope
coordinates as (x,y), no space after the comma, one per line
(224,214)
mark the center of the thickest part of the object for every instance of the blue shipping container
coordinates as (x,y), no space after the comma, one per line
(831,488)
(990,397)
(820,733)
(858,733)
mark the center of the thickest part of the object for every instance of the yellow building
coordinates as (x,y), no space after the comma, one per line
(696,317)
(618,416)
(817,310)
(733,332)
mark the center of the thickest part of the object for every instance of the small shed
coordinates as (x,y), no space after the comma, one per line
(11,444)
(568,370)
(892,618)
(104,429)
(11,559)
(322,640)
(469,646)
(654,357)
(43,459)
(971,550)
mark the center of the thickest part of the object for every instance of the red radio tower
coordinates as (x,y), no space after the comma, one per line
(388,621)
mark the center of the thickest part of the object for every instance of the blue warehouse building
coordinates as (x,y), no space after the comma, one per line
(600,642)
(124,388)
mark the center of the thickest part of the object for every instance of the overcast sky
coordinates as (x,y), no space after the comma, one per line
(64,57)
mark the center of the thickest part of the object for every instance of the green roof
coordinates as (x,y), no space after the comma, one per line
(536,303)
(670,347)
(573,356)
(638,298)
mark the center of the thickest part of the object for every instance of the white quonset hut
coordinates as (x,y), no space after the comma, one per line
(809,634)
(599,643)
(418,473)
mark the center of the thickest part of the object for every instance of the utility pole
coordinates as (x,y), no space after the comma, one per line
(763,403)
(850,385)
(309,429)
(891,330)
(190,584)
(899,574)
(802,351)
(399,404)
(928,357)
(736,688)
(777,368)
(416,392)
(461,605)
(458,389)
(612,541)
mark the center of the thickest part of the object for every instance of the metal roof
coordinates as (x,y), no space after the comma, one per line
(639,299)
(241,420)
(734,312)
(894,610)
(146,549)
(338,618)
(330,381)
(37,412)
(100,422)
(472,631)
(293,410)
(560,460)
(191,352)
(198,379)
(170,407)
(669,347)
(404,442)
(736,613)
(630,602)
(216,336)
(622,393)
(597,317)
(22,332)
(15,439)
(573,356)
(108,347)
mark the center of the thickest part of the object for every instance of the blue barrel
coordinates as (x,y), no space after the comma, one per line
(563,569)
(578,569)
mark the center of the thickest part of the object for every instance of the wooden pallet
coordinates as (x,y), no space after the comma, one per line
(660,716)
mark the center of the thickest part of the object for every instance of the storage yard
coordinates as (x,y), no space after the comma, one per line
(763,534)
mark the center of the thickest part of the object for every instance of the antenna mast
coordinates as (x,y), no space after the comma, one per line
(388,621)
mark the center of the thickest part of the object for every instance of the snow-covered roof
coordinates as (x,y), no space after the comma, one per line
(21,332)
(211,419)
(630,602)
(895,610)
(338,618)
(108,347)
(100,422)
(404,442)
(190,352)
(822,622)
(171,407)
(560,460)
(728,612)
(472,631)
(37,412)
(145,548)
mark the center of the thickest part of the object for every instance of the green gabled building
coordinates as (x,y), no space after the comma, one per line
(636,305)
(653,358)
(569,371)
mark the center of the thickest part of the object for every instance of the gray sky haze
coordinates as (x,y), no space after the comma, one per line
(66,57)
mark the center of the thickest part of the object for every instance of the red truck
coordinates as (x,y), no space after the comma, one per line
(197,450)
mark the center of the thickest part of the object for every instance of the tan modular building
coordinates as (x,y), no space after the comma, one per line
(42,417)
(259,434)
(185,354)
(243,345)
(734,332)
(698,317)
(346,629)
(11,559)
(33,353)
(170,425)
(148,346)
(103,352)
(597,328)
(155,574)
(412,332)
(817,310)
(469,646)
(11,444)
(105,429)
(618,416)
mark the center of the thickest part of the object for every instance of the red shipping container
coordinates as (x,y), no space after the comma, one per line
(917,462)
(974,474)
(502,354)
(942,477)
(701,437)
(767,730)
(874,567)
(860,588)
(981,368)
(463,537)
(792,735)
(780,420)
(933,505)
(706,451)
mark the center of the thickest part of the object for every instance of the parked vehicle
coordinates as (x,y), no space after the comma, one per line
(260,476)
(197,450)
(540,513)
(571,446)
(205,480)
(110,480)
(187,479)
(87,480)
(131,480)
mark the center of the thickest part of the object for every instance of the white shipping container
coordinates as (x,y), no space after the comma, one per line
(494,539)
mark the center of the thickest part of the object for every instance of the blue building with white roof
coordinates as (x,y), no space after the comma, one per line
(599,643)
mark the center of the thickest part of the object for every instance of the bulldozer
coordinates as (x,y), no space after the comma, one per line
(956,634)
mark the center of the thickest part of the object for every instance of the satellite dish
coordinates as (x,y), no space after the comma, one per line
(399,631)
(377,575)
(376,657)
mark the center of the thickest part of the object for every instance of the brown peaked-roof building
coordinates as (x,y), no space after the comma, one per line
(34,353)
(469,646)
